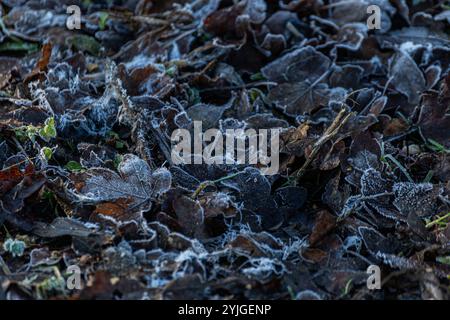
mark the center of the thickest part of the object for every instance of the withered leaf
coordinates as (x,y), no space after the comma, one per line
(135,182)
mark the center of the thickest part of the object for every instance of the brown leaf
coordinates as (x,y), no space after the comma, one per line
(434,119)
(247,245)
(325,222)
(314,255)
(190,215)
(42,63)
(118,209)
(9,178)
(7,66)
(224,20)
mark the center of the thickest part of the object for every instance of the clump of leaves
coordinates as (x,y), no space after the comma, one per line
(15,247)
(49,130)
(55,284)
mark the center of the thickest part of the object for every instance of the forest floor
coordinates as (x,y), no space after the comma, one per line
(93,204)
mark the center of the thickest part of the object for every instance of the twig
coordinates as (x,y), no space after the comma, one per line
(19,163)
(332,130)
(201,187)
(205,184)
(440,219)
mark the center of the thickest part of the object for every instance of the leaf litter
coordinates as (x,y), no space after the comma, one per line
(87,178)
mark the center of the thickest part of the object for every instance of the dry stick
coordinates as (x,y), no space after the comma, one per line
(19,163)
(332,130)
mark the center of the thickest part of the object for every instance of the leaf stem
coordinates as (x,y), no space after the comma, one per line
(438,220)
(400,166)
(205,184)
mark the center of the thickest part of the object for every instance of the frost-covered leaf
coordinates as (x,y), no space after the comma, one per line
(15,247)
(373,183)
(297,66)
(420,198)
(209,115)
(375,242)
(245,183)
(236,17)
(261,202)
(190,215)
(434,118)
(299,98)
(63,227)
(352,204)
(406,77)
(334,196)
(135,181)
(365,160)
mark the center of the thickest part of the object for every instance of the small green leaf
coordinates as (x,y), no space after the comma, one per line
(257,77)
(48,131)
(29,132)
(117,160)
(18,45)
(102,20)
(194,96)
(444,260)
(21,134)
(73,166)
(120,144)
(171,71)
(85,43)
(47,153)
(113,135)
(254,94)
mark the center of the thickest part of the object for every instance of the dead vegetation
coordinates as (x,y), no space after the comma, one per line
(87,177)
